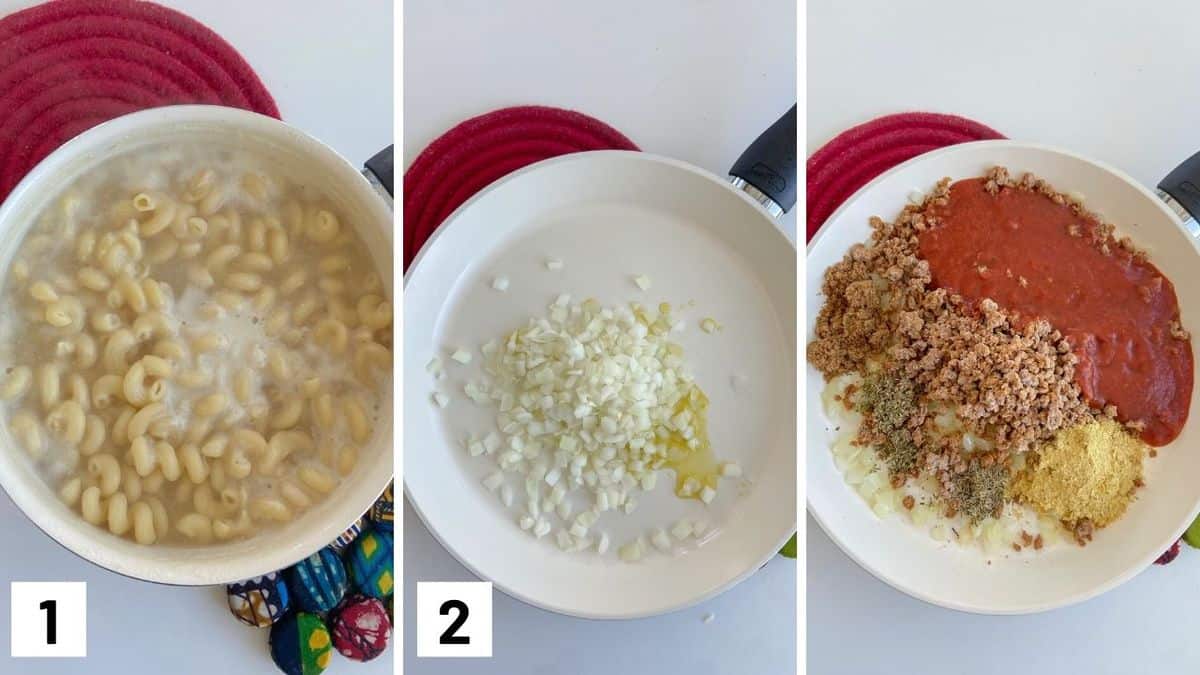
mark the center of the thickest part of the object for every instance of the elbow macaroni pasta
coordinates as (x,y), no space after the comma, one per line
(177,373)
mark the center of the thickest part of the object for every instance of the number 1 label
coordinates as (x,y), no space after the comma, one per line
(51,623)
(49,619)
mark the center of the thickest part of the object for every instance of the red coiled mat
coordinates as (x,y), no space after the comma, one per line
(481,150)
(68,65)
(855,156)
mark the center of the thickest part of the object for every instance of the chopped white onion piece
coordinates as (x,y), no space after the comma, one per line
(586,397)
(491,442)
(631,552)
(554,264)
(642,281)
(660,540)
(564,540)
(434,365)
(731,469)
(500,284)
(440,399)
(558,493)
(682,529)
(493,481)
(690,487)
(921,514)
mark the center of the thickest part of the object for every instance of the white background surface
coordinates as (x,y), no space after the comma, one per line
(1114,81)
(330,72)
(692,79)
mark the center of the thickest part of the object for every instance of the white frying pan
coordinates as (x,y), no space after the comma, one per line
(892,549)
(610,216)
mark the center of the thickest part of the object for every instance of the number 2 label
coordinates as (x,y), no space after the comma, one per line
(454,619)
(449,637)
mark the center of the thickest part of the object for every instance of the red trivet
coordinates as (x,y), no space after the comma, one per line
(855,156)
(482,149)
(68,65)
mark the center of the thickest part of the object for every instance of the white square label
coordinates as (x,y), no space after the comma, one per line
(454,618)
(49,619)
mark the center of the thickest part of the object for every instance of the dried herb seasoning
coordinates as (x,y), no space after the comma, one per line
(980,491)
(887,401)
(901,454)
(890,399)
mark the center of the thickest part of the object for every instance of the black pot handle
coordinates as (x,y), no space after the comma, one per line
(1181,190)
(380,169)
(767,169)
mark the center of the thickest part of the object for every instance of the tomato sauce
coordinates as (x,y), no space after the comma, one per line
(1017,248)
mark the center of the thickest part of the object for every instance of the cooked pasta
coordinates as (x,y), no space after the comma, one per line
(197,348)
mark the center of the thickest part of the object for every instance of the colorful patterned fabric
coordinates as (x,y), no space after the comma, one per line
(346,538)
(318,582)
(371,565)
(301,645)
(361,628)
(260,601)
(383,512)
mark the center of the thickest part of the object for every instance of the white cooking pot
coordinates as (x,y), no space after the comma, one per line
(363,197)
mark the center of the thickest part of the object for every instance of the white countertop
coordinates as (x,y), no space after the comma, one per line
(1115,81)
(696,80)
(330,72)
